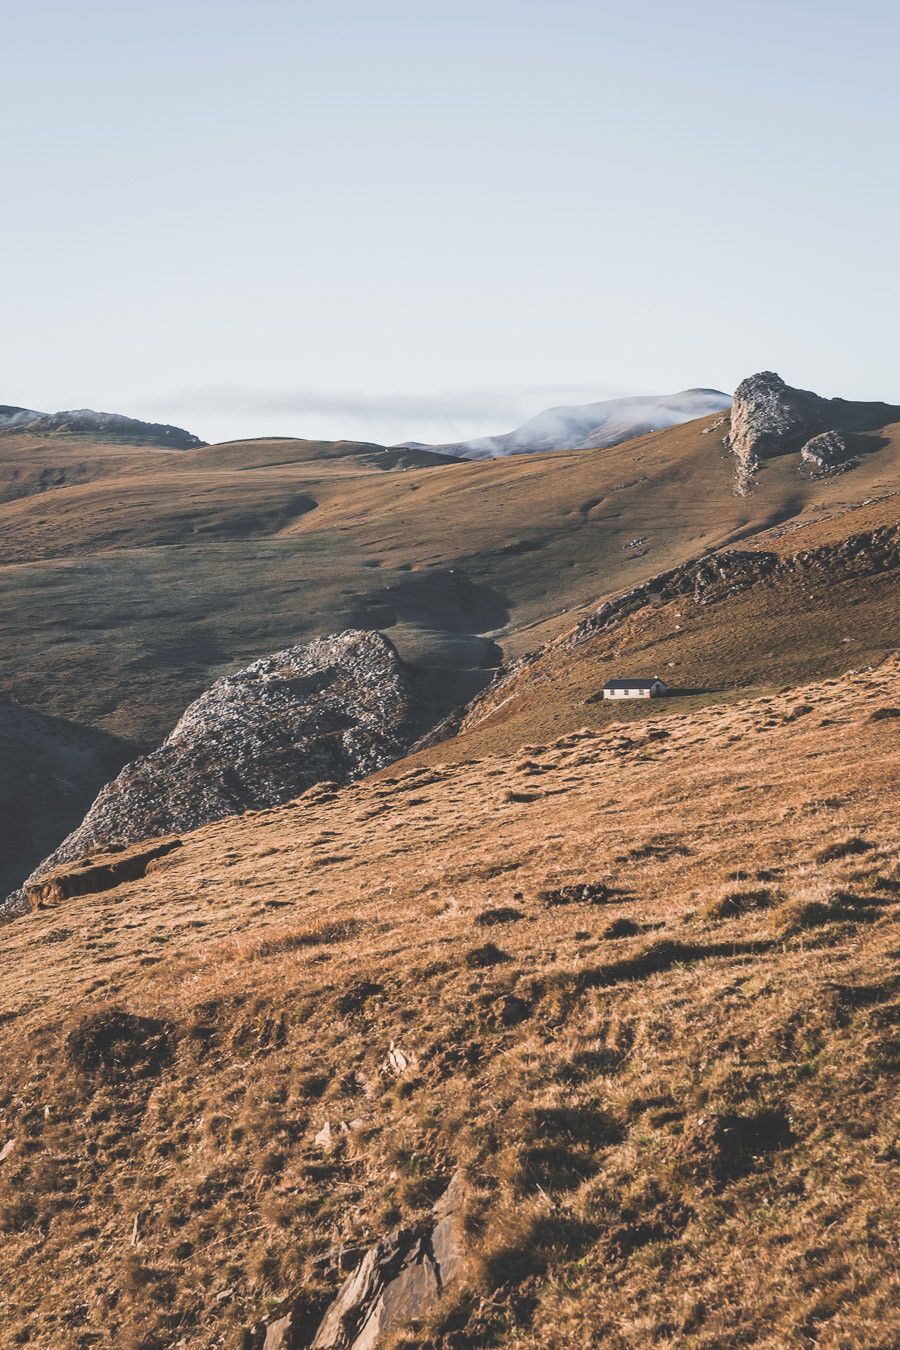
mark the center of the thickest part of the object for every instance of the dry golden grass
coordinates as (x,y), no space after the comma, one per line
(673,1106)
(776,634)
(132,578)
(148,573)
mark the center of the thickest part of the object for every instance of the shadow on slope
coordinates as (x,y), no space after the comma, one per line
(50,772)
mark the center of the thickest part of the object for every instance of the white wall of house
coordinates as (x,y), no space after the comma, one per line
(655,690)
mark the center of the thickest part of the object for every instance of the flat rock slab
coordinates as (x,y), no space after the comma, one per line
(98,873)
(398,1282)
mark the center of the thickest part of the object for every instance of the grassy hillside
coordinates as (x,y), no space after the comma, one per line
(831,607)
(641,987)
(629,973)
(32,464)
(126,595)
(132,578)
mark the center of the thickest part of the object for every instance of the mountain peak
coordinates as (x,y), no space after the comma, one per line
(594,426)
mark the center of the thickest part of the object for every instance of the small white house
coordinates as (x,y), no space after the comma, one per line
(653,687)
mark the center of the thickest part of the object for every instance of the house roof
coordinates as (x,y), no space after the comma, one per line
(633,684)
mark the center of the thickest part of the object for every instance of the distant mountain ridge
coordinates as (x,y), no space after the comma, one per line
(86,422)
(590,426)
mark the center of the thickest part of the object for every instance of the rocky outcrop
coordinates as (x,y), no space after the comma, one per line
(98,873)
(827,453)
(335,709)
(12,417)
(716,576)
(399,1282)
(769,417)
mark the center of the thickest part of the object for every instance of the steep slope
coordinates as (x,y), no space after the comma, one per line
(594,425)
(634,990)
(335,709)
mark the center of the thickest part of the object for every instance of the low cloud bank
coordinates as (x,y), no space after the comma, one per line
(224,413)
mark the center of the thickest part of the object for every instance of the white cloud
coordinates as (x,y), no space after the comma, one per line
(433,416)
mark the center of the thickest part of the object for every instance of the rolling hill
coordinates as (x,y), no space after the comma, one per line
(134,577)
(97,425)
(573,1025)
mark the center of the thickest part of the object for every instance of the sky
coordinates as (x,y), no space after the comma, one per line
(411,219)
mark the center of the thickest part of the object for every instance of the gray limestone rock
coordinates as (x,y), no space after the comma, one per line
(827,452)
(337,708)
(399,1282)
(769,417)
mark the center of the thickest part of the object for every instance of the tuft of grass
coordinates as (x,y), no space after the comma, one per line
(294,940)
(581,893)
(112,1042)
(844,848)
(480,958)
(488,918)
(621,928)
(724,1146)
(733,903)
(819,905)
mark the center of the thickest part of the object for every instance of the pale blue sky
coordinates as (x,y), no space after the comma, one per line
(411,218)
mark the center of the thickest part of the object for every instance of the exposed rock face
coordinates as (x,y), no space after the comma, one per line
(827,452)
(398,1282)
(335,709)
(769,417)
(716,576)
(105,426)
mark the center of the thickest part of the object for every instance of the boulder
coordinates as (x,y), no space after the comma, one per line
(398,1283)
(280,1334)
(770,417)
(336,709)
(827,452)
